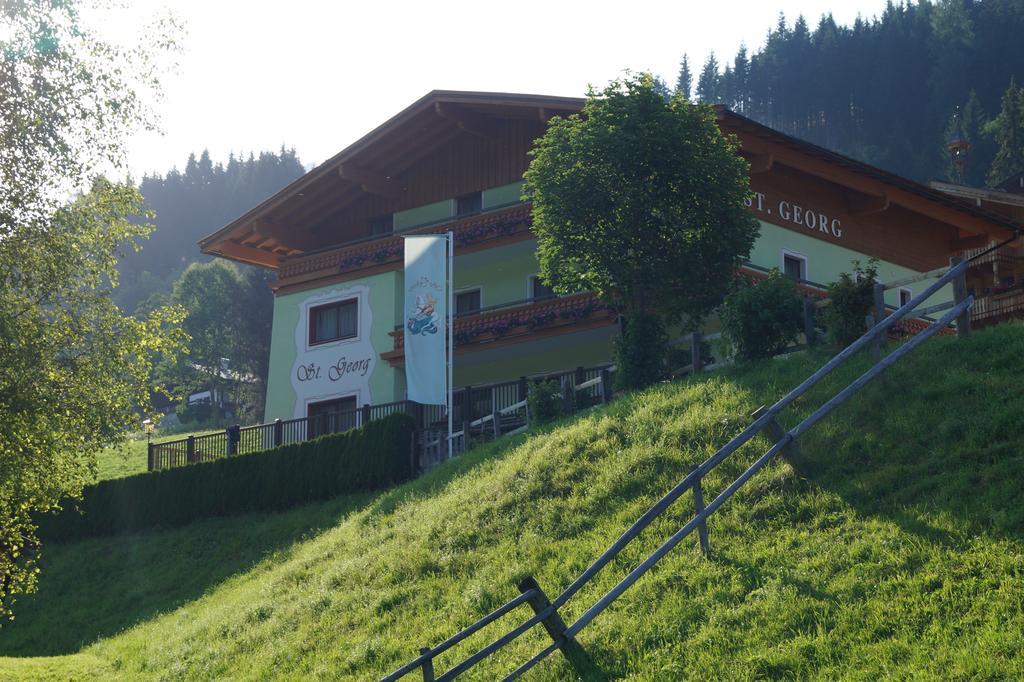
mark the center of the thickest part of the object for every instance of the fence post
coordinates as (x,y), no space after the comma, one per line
(606,386)
(809,333)
(233,433)
(776,431)
(279,432)
(555,627)
(149,456)
(495,417)
(963,323)
(695,358)
(702,528)
(876,347)
(467,404)
(523,390)
(428,666)
(364,415)
(190,449)
(882,339)
(465,435)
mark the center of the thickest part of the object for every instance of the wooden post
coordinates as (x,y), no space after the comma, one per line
(809,334)
(695,358)
(279,432)
(523,391)
(465,435)
(963,322)
(233,434)
(702,528)
(190,449)
(495,417)
(467,404)
(606,386)
(876,348)
(149,456)
(555,627)
(428,666)
(879,292)
(776,432)
(364,415)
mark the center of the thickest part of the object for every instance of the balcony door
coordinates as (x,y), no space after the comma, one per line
(331,416)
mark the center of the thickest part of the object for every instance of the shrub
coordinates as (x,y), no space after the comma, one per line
(641,351)
(545,401)
(852,300)
(371,457)
(761,319)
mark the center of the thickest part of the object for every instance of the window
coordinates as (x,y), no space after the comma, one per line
(794,267)
(469,204)
(331,416)
(384,224)
(333,321)
(905,296)
(538,290)
(467,302)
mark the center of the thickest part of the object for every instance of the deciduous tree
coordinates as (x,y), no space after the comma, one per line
(73,368)
(641,200)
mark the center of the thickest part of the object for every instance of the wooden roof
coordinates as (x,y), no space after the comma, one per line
(271,230)
(279,226)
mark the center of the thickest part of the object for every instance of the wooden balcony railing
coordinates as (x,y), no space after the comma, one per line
(387,250)
(530,318)
(996,307)
(1006,255)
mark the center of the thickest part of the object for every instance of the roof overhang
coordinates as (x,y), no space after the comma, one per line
(276,228)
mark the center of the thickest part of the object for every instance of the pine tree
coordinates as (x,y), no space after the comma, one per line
(1008,132)
(741,81)
(684,83)
(707,85)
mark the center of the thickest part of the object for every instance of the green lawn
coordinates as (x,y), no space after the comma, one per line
(130,458)
(892,548)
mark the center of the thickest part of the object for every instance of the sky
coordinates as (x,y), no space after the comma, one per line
(317,76)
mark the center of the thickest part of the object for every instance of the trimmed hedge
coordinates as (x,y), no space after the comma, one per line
(371,457)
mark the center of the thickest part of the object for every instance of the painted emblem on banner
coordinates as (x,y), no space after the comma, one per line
(423,319)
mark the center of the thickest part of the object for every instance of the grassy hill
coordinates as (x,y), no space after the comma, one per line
(894,547)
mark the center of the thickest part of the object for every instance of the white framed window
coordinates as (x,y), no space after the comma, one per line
(334,321)
(794,266)
(905,296)
(536,290)
(469,301)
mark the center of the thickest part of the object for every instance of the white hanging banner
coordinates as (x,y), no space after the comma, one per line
(426,313)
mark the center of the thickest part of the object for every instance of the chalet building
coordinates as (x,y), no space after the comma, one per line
(996,276)
(454,161)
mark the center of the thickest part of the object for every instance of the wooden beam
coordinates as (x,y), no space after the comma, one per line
(371,182)
(866,204)
(290,237)
(467,121)
(246,254)
(807,163)
(973,242)
(760,163)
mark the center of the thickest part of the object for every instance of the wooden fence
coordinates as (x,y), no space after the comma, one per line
(546,612)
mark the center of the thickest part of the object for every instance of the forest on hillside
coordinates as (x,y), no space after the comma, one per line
(884,89)
(229,307)
(189,205)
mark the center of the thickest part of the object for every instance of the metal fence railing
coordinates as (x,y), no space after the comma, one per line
(478,411)
(546,613)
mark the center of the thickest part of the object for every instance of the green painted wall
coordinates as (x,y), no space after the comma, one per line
(502,196)
(383,382)
(580,349)
(502,273)
(825,260)
(423,215)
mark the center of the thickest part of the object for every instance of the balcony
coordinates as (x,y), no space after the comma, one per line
(382,253)
(518,322)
